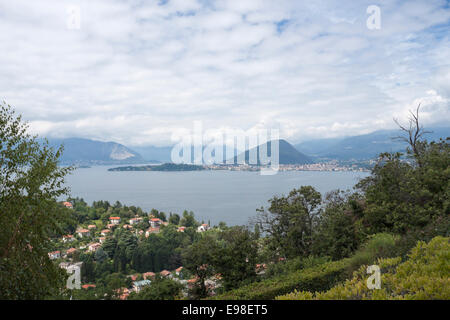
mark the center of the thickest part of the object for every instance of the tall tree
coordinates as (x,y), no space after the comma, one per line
(30,182)
(290,221)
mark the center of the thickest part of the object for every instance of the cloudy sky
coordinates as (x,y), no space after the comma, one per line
(135,71)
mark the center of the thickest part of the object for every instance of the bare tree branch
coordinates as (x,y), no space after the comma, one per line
(414,133)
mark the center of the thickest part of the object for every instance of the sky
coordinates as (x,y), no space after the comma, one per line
(138,72)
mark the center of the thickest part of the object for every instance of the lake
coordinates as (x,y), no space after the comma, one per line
(229,196)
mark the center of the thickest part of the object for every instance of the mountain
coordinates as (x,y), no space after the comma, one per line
(85,151)
(363,147)
(287,154)
(152,153)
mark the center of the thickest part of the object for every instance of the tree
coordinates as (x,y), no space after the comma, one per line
(235,257)
(188,219)
(339,231)
(30,183)
(414,133)
(100,255)
(159,289)
(290,221)
(198,260)
(109,246)
(174,219)
(408,197)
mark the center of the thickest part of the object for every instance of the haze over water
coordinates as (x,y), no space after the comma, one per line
(229,196)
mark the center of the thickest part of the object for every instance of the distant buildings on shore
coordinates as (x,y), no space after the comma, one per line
(322,166)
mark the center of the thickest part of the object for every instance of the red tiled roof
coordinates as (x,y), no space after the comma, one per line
(114,218)
(87,286)
(148,275)
(165,273)
(134,277)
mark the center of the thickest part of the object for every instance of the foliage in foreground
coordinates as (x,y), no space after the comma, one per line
(30,181)
(318,277)
(424,276)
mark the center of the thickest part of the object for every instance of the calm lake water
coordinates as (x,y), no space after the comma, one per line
(229,196)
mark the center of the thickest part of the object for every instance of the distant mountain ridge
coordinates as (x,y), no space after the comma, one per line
(363,147)
(287,154)
(152,153)
(86,151)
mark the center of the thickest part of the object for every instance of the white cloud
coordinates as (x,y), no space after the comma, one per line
(137,71)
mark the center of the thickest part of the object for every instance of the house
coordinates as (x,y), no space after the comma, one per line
(150,231)
(204,227)
(135,221)
(68,238)
(261,268)
(92,226)
(71,251)
(105,232)
(191,282)
(114,220)
(178,270)
(88,286)
(111,225)
(138,285)
(54,255)
(133,277)
(102,239)
(181,229)
(165,273)
(127,226)
(94,246)
(83,233)
(155,222)
(148,275)
(67,205)
(123,293)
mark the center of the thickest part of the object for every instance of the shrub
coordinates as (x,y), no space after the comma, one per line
(292,265)
(317,278)
(380,245)
(425,275)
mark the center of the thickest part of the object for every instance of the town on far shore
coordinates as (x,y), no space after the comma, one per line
(91,237)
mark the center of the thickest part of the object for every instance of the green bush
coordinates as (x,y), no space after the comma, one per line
(424,276)
(380,245)
(292,265)
(314,273)
(317,278)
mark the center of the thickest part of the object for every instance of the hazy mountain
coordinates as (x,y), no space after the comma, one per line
(288,154)
(365,146)
(152,153)
(85,151)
